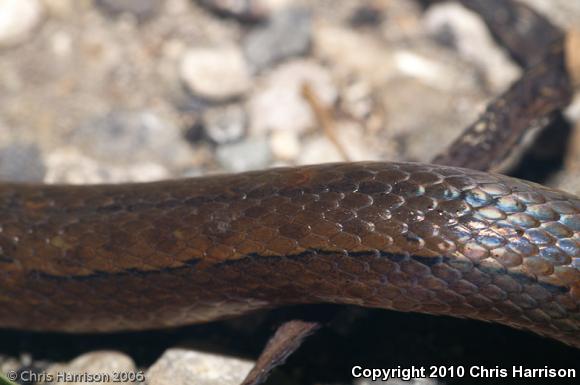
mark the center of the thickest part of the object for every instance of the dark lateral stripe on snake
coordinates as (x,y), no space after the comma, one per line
(428,261)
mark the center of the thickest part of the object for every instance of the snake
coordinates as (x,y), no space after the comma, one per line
(409,237)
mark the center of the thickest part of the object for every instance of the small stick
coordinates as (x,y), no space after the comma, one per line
(281,345)
(572,45)
(324,119)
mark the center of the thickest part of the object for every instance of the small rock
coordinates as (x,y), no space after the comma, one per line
(278,103)
(564,13)
(366,15)
(288,34)
(141,9)
(138,145)
(217,73)
(572,112)
(242,10)
(18,19)
(101,366)
(425,69)
(61,43)
(8,363)
(128,136)
(357,100)
(285,145)
(184,367)
(373,60)
(21,162)
(464,30)
(250,154)
(60,8)
(226,124)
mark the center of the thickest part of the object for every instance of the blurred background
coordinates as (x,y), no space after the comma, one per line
(96,91)
(133,90)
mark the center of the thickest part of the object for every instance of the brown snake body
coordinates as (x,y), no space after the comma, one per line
(403,236)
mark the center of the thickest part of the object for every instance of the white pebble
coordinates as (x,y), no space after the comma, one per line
(217,73)
(473,41)
(179,366)
(18,18)
(285,145)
